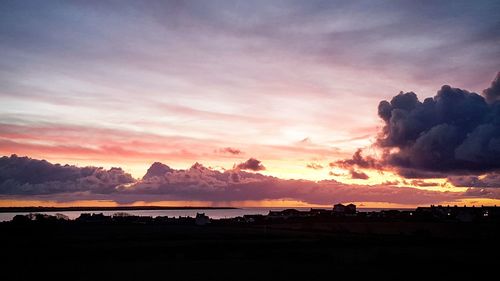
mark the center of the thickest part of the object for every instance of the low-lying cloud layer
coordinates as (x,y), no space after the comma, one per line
(489,180)
(201,183)
(26,176)
(22,176)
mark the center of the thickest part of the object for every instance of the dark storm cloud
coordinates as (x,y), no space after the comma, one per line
(455,131)
(419,174)
(26,176)
(251,164)
(454,135)
(492,94)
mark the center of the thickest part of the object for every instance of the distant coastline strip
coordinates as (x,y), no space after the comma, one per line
(97,208)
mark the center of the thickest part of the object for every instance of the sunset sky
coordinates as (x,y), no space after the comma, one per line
(278,101)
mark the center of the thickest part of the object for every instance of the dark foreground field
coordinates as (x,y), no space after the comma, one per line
(399,251)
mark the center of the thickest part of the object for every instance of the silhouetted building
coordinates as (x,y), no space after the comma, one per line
(344,209)
(455,213)
(93,218)
(201,219)
(288,213)
(350,209)
(21,219)
(253,218)
(320,212)
(339,208)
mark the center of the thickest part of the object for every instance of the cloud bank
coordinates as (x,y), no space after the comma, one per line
(23,176)
(201,183)
(26,176)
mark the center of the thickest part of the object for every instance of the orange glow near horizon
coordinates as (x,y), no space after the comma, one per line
(110,203)
(239,204)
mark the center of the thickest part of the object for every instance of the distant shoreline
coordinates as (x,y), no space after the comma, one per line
(118,208)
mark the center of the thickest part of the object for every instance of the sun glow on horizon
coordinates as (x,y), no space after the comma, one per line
(242,204)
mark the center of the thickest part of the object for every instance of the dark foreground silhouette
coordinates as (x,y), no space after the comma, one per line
(305,248)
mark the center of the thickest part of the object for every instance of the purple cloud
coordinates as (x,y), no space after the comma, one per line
(489,180)
(26,176)
(157,170)
(198,183)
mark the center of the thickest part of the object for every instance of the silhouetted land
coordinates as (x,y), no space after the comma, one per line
(118,208)
(293,248)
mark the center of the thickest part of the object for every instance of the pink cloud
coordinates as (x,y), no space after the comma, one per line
(197,183)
